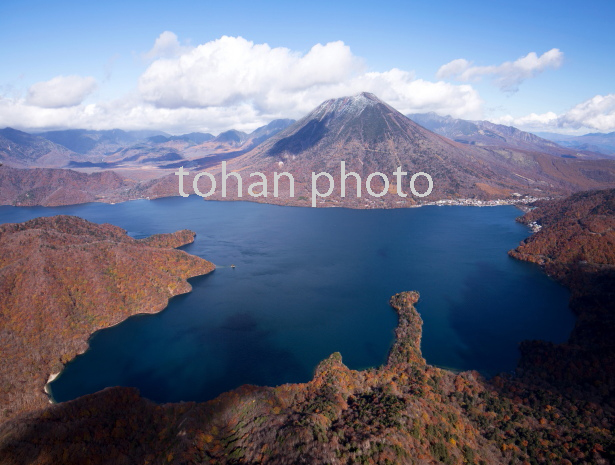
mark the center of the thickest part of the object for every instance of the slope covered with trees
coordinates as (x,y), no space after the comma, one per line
(557,408)
(61,279)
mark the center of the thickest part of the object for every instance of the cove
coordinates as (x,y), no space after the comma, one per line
(309,282)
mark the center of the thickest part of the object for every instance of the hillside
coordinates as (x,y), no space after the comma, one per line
(578,229)
(485,133)
(61,279)
(576,245)
(20,150)
(53,187)
(594,141)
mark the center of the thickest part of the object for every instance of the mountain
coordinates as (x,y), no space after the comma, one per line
(239,139)
(99,143)
(371,136)
(366,133)
(20,149)
(81,148)
(485,133)
(52,187)
(233,138)
(193,137)
(595,141)
(265,132)
(227,145)
(194,150)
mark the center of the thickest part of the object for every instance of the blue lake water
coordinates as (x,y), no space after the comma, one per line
(309,282)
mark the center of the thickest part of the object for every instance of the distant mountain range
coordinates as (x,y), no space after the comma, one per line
(487,134)
(595,142)
(80,148)
(21,150)
(100,142)
(227,145)
(466,159)
(193,137)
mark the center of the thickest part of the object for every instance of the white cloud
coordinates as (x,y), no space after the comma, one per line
(596,113)
(532,121)
(234,83)
(280,82)
(61,91)
(453,68)
(127,114)
(166,46)
(408,95)
(507,76)
(232,69)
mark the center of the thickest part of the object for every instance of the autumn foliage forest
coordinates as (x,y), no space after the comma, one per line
(557,408)
(61,279)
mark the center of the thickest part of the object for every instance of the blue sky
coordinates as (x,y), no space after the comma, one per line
(78,64)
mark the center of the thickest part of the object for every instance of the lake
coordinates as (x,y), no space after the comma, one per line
(309,282)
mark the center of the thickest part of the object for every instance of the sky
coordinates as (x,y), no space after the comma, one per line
(205,66)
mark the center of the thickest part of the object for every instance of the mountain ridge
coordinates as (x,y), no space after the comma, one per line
(22,150)
(594,141)
(486,133)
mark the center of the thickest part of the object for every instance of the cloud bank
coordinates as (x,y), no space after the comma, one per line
(279,81)
(61,91)
(508,75)
(596,113)
(230,82)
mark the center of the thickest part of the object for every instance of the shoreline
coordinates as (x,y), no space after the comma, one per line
(47,389)
(322,203)
(520,203)
(158,262)
(53,376)
(460,202)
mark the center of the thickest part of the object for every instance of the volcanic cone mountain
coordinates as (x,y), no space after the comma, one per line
(371,136)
